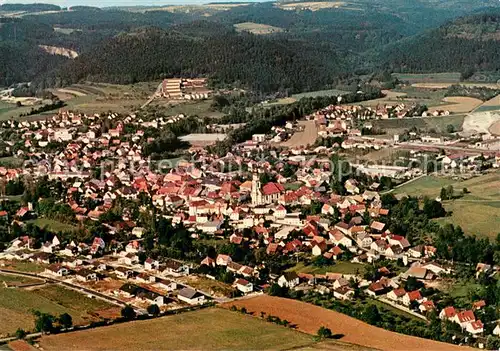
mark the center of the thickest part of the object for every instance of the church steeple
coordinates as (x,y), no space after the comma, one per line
(256,194)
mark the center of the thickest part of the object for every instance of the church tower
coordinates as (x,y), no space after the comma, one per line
(256,193)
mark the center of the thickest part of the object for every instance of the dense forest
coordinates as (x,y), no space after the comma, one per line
(471,43)
(313,49)
(259,63)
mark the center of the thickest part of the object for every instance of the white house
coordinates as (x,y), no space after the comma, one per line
(191,296)
(244,286)
(289,280)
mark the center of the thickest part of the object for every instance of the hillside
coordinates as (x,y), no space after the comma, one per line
(226,56)
(465,45)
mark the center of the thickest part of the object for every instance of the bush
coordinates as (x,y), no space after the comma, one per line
(324,332)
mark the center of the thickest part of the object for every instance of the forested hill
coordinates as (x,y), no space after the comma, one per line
(468,43)
(250,61)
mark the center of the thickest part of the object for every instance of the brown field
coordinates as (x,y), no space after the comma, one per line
(207,329)
(307,136)
(309,318)
(458,104)
(495,128)
(257,28)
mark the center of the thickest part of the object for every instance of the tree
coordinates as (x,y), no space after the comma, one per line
(128,312)
(450,129)
(433,208)
(65,320)
(324,332)
(153,310)
(412,284)
(44,322)
(371,315)
(20,333)
(276,290)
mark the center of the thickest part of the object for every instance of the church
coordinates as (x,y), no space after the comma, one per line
(267,194)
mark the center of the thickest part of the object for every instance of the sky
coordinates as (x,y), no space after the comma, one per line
(104,3)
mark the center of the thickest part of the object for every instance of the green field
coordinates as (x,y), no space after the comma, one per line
(487,108)
(478,212)
(16,306)
(331,92)
(342,267)
(53,225)
(207,329)
(12,162)
(439,124)
(446,77)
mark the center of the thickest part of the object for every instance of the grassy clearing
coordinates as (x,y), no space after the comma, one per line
(257,28)
(16,306)
(12,162)
(53,225)
(426,186)
(446,77)
(214,287)
(17,280)
(24,266)
(208,329)
(478,212)
(332,92)
(201,108)
(342,267)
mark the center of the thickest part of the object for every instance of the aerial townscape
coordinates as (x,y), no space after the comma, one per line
(247,176)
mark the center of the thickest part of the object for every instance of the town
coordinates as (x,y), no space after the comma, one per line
(296,221)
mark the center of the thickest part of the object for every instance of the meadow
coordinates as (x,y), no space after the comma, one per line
(207,329)
(343,267)
(477,212)
(17,304)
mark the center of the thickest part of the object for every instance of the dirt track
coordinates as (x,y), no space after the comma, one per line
(309,318)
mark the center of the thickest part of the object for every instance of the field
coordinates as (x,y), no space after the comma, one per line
(342,267)
(13,280)
(214,287)
(53,225)
(309,318)
(22,266)
(482,203)
(257,28)
(208,329)
(318,93)
(459,104)
(451,77)
(445,85)
(439,124)
(16,306)
(313,5)
(303,138)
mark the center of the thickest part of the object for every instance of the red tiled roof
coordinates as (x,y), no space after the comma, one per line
(272,188)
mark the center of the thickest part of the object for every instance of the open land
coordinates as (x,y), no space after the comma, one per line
(53,225)
(309,318)
(257,28)
(342,267)
(16,306)
(446,77)
(315,5)
(459,104)
(481,203)
(207,329)
(306,137)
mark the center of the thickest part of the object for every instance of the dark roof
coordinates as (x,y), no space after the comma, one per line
(289,276)
(189,293)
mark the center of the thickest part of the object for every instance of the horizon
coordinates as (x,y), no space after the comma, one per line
(118,3)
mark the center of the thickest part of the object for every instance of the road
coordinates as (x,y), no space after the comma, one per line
(151,99)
